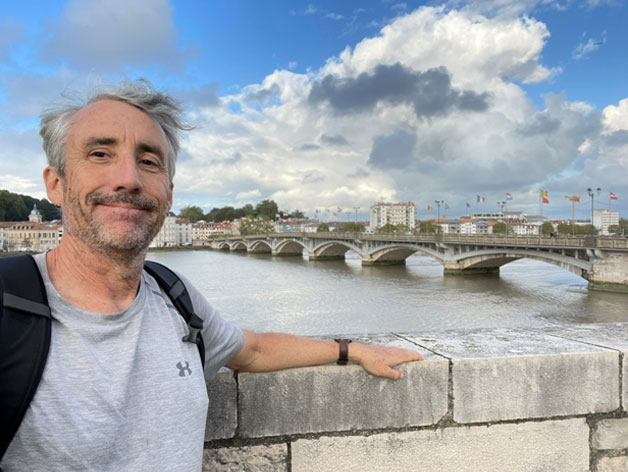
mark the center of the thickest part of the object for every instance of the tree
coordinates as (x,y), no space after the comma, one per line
(565,228)
(428,227)
(192,213)
(256,225)
(501,228)
(352,227)
(322,228)
(267,208)
(248,210)
(546,228)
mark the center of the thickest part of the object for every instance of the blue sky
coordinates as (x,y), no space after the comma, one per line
(340,104)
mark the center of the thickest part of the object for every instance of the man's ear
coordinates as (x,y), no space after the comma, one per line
(54,185)
(170,196)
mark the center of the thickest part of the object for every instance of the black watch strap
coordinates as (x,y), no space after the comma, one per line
(343,351)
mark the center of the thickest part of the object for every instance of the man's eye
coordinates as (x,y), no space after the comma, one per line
(150,163)
(98,154)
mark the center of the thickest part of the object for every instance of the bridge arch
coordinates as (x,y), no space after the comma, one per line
(238,246)
(393,254)
(289,247)
(260,247)
(493,259)
(332,250)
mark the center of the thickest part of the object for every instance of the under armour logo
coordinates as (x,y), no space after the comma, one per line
(183,368)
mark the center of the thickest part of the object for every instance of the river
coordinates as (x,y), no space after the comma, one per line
(288,294)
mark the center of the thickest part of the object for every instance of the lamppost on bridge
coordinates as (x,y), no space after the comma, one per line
(356,209)
(438,204)
(592,194)
(502,204)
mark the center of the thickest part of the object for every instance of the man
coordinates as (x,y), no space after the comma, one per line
(120,390)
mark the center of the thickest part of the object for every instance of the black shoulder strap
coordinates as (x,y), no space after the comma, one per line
(24,340)
(174,287)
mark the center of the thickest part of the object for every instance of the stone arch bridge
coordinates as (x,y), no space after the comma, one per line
(602,261)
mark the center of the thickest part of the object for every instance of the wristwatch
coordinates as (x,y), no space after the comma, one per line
(343,348)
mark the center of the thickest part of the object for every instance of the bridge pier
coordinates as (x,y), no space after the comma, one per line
(609,274)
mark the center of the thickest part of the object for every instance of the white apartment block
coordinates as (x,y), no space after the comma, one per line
(394,214)
(167,236)
(526,229)
(184,232)
(602,219)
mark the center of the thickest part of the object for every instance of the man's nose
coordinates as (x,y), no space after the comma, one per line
(127,173)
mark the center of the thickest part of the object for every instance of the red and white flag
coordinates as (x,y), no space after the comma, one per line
(613,196)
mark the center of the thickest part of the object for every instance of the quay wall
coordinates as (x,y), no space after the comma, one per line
(485,400)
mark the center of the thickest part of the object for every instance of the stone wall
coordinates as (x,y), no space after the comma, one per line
(485,400)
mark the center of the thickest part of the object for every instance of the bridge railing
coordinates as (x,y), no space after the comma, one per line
(601,242)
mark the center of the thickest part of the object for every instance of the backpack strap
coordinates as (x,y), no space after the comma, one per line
(25,325)
(175,289)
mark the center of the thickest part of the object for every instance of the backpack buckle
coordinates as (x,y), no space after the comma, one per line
(195,325)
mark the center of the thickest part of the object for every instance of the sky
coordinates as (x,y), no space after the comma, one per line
(329,105)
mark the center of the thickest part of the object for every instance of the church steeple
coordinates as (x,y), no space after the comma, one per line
(35,215)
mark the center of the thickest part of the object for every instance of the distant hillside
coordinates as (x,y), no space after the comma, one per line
(16,207)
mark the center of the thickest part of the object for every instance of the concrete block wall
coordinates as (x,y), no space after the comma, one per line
(484,400)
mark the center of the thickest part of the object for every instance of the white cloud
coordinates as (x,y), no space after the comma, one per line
(394,152)
(585,48)
(616,117)
(248,196)
(113,34)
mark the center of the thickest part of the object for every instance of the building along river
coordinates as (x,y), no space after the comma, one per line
(291,294)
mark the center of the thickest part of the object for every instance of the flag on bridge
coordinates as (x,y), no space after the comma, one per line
(544,196)
(468,205)
(508,196)
(613,196)
(429,208)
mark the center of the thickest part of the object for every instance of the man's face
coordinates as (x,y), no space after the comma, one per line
(116,190)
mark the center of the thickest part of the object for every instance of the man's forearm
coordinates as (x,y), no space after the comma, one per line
(263,352)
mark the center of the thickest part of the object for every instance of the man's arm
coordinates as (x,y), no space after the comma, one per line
(263,352)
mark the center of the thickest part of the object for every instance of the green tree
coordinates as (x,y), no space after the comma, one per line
(501,228)
(256,225)
(565,228)
(192,213)
(352,227)
(428,227)
(248,210)
(546,228)
(267,208)
(322,228)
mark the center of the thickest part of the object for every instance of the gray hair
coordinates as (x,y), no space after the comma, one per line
(164,110)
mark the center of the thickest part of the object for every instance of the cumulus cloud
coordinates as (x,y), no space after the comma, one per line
(429,92)
(113,34)
(427,106)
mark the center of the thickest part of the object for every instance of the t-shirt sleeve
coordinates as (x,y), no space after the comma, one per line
(223,340)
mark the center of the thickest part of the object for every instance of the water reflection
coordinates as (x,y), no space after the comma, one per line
(292,294)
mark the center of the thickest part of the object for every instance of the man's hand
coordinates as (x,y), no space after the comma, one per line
(380,360)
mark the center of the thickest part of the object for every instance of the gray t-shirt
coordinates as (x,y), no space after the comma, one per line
(122,391)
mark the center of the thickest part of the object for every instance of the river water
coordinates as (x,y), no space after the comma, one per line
(294,295)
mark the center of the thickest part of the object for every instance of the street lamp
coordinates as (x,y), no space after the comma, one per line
(438,204)
(502,204)
(592,194)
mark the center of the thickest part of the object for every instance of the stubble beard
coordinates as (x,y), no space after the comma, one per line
(80,221)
